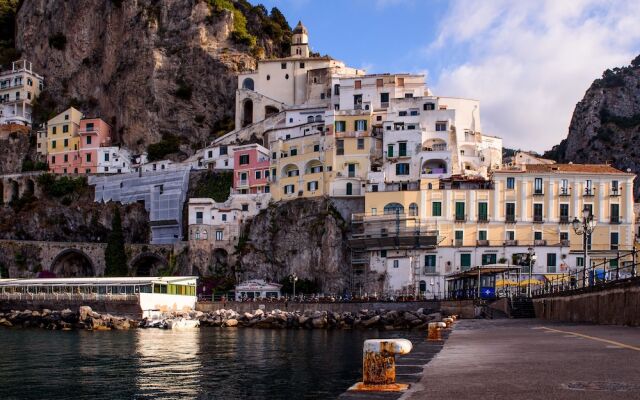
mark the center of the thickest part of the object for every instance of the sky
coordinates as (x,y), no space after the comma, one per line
(528,62)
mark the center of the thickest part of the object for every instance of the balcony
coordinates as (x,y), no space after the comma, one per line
(540,242)
(510,219)
(564,192)
(538,192)
(460,218)
(243,182)
(589,192)
(400,187)
(615,219)
(537,219)
(352,134)
(482,243)
(483,218)
(565,243)
(614,193)
(564,219)
(457,242)
(356,191)
(510,242)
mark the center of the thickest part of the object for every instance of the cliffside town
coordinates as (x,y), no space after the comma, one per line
(359,183)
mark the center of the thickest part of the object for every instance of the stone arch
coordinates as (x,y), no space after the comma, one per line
(147,264)
(247,83)
(290,169)
(247,112)
(270,110)
(14,190)
(72,263)
(29,187)
(313,165)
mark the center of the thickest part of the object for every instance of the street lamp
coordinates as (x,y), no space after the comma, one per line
(532,260)
(294,278)
(584,228)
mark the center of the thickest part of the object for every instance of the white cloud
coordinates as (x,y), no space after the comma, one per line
(529,63)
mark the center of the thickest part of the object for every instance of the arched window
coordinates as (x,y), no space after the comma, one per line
(318,118)
(198,234)
(247,83)
(394,208)
(423,286)
(413,209)
(205,235)
(310,118)
(286,76)
(429,186)
(268,77)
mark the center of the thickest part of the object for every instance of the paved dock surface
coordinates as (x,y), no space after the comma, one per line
(532,359)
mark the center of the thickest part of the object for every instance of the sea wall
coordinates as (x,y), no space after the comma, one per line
(302,307)
(618,303)
(122,308)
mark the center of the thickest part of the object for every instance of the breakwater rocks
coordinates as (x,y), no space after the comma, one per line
(84,318)
(277,319)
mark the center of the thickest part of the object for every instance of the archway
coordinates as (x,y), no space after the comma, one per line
(14,190)
(30,188)
(147,264)
(247,112)
(72,263)
(270,110)
(247,83)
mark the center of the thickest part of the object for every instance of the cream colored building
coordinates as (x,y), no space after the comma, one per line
(19,87)
(464,222)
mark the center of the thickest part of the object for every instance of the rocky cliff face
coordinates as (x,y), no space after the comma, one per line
(305,236)
(151,68)
(605,126)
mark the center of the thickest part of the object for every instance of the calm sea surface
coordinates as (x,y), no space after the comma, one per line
(208,363)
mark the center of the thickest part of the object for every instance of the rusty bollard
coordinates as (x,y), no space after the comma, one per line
(379,365)
(434,333)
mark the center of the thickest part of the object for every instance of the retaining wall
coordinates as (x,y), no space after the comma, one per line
(122,308)
(618,303)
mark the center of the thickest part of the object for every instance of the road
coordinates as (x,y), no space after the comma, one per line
(533,359)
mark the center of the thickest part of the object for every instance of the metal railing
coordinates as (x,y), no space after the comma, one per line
(68,296)
(600,274)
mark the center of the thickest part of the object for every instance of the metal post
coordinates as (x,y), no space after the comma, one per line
(633,265)
(584,255)
(530,274)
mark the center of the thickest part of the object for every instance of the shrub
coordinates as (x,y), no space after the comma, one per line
(215,185)
(63,186)
(168,145)
(58,41)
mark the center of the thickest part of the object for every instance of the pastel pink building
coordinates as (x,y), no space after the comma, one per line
(251,169)
(94,134)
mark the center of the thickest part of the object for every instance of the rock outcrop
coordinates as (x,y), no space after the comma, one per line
(151,68)
(303,236)
(605,126)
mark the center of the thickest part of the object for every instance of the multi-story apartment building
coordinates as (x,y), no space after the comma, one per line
(251,170)
(19,87)
(218,158)
(416,237)
(63,142)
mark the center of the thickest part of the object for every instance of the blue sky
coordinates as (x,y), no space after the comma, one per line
(528,62)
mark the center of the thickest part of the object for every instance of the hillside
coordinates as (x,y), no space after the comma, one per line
(605,126)
(154,69)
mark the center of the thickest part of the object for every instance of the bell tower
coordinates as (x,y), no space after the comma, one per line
(300,41)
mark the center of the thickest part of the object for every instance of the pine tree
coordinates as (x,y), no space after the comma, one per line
(114,255)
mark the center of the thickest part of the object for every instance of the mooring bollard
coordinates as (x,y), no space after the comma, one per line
(379,365)
(448,321)
(434,333)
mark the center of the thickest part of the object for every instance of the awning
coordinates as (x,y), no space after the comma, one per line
(533,281)
(557,278)
(506,282)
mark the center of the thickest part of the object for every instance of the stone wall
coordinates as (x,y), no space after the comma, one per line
(130,309)
(616,304)
(332,307)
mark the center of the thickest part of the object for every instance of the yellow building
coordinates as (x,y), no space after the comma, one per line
(63,141)
(477,222)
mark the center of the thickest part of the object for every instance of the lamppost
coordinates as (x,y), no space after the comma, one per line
(584,228)
(294,278)
(432,284)
(532,261)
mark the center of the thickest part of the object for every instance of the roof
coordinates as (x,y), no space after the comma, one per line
(564,168)
(300,28)
(141,280)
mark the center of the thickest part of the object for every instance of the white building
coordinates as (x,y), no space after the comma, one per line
(218,157)
(257,289)
(19,87)
(113,160)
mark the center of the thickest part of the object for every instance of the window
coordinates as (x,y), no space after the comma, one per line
(551,262)
(384,99)
(286,76)
(53,130)
(510,235)
(88,139)
(408,95)
(358,84)
(510,212)
(489,259)
(351,170)
(579,261)
(274,155)
(293,151)
(341,126)
(590,208)
(315,169)
(614,240)
(383,253)
(336,89)
(301,65)
(244,159)
(564,236)
(537,212)
(223,150)
(65,158)
(88,158)
(289,189)
(66,142)
(430,264)
(428,106)
(564,213)
(402,114)
(615,213)
(465,261)
(460,211)
(199,217)
(258,175)
(402,149)
(357,101)
(219,235)
(413,210)
(65,128)
(312,186)
(537,235)
(340,147)
(374,188)
(266,173)
(483,213)
(53,144)
(245,207)
(537,186)
(482,235)
(441,126)
(402,169)
(588,187)
(89,127)
(614,187)
(361,125)
(283,65)
(390,150)
(511,183)
(316,148)
(436,209)
(379,82)
(396,263)
(293,172)
(564,187)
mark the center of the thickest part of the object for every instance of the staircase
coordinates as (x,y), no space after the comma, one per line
(522,307)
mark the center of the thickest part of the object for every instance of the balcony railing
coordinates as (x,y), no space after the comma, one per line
(615,192)
(540,242)
(538,192)
(243,182)
(344,192)
(482,243)
(538,219)
(615,219)
(565,243)
(510,242)
(564,219)
(510,219)
(460,218)
(565,192)
(430,270)
(457,242)
(588,192)
(483,218)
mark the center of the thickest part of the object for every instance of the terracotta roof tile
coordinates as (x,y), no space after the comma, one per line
(565,168)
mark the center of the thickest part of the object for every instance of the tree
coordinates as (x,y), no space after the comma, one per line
(114,255)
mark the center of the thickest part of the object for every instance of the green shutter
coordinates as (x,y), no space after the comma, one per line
(460,209)
(465,261)
(436,209)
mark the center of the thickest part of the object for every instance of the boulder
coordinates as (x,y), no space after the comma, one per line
(368,323)
(231,322)
(5,322)
(258,313)
(84,312)
(319,322)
